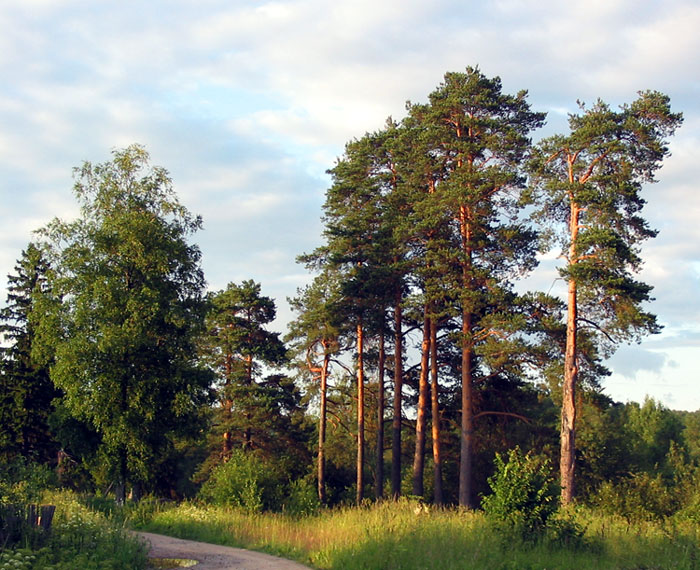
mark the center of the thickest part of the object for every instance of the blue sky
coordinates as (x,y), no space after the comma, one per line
(247,104)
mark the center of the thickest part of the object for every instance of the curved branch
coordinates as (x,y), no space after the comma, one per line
(598,327)
(510,414)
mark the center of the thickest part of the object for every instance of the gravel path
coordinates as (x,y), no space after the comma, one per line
(212,556)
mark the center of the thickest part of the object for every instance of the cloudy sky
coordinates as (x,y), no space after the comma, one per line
(247,103)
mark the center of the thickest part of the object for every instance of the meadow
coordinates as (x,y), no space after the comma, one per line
(409,535)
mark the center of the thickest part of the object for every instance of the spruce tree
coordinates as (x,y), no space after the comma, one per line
(26,391)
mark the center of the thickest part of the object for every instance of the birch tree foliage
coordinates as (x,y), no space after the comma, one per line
(124,307)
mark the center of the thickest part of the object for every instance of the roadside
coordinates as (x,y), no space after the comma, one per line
(214,557)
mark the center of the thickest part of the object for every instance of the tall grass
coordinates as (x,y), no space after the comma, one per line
(407,535)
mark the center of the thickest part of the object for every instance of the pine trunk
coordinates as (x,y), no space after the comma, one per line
(567,458)
(467,427)
(321,467)
(422,411)
(398,386)
(360,414)
(228,407)
(379,479)
(435,413)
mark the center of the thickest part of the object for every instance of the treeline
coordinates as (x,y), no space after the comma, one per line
(413,358)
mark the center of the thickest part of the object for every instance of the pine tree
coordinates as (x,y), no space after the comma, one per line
(588,184)
(316,336)
(239,348)
(480,138)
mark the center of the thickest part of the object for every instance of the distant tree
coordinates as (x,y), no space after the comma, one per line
(315,337)
(588,184)
(691,433)
(238,347)
(26,391)
(652,429)
(124,306)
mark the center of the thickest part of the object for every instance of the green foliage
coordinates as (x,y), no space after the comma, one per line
(244,481)
(254,412)
(302,498)
(639,497)
(23,482)
(121,314)
(525,495)
(26,392)
(79,538)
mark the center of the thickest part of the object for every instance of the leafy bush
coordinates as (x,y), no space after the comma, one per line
(525,495)
(79,538)
(244,481)
(22,482)
(640,497)
(302,499)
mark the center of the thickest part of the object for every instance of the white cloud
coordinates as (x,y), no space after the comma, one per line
(248,103)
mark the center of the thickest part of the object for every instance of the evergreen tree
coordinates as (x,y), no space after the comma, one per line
(479,137)
(588,185)
(26,391)
(316,339)
(361,248)
(239,347)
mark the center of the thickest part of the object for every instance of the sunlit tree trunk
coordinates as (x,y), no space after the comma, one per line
(379,481)
(567,459)
(435,413)
(422,410)
(398,387)
(360,414)
(321,467)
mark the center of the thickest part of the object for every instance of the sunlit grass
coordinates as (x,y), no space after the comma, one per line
(404,535)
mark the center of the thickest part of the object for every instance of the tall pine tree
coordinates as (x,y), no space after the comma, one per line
(589,186)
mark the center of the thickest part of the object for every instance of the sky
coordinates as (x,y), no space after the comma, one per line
(248,103)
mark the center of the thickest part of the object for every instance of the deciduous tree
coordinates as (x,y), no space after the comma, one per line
(124,307)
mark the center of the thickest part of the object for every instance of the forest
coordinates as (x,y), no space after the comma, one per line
(416,365)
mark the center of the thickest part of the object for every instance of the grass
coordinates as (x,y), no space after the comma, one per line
(406,535)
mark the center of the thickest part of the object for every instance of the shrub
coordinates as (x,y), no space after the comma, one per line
(302,499)
(244,481)
(23,482)
(640,497)
(525,495)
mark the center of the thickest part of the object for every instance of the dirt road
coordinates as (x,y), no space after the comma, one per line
(212,556)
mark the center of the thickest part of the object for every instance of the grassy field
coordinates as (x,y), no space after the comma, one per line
(406,535)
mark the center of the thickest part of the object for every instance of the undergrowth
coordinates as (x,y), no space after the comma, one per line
(407,534)
(79,538)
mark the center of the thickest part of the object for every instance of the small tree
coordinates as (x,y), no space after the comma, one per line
(525,494)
